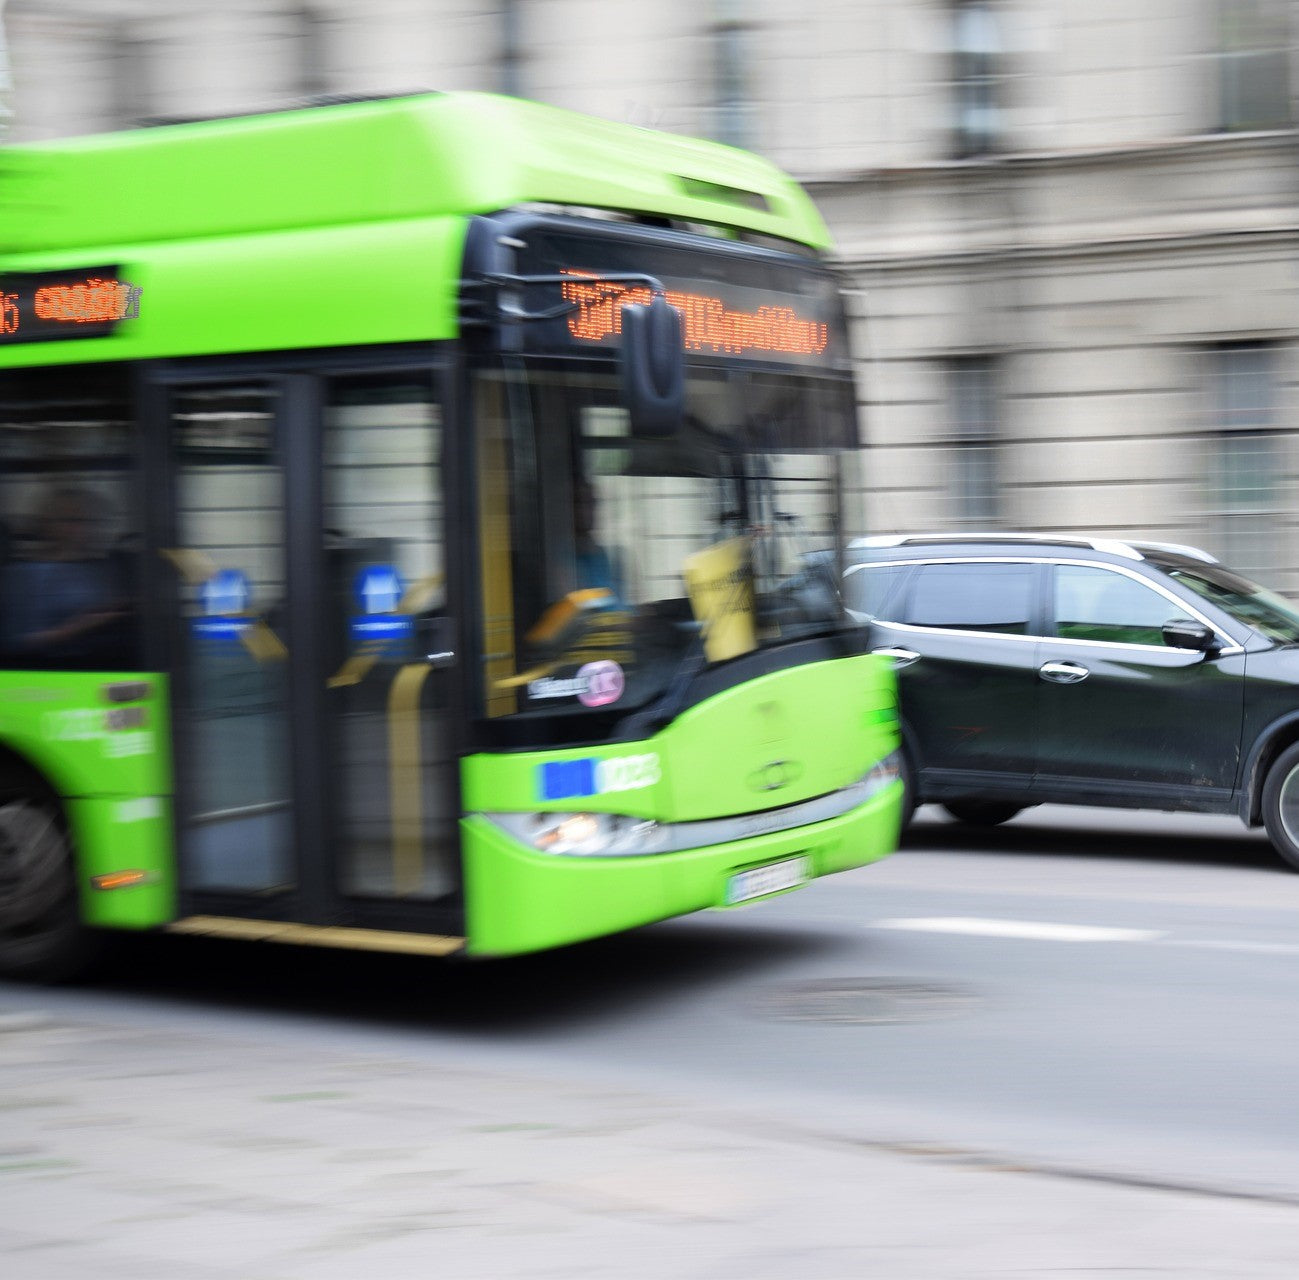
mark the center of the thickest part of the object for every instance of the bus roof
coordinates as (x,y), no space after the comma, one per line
(416,156)
(344,224)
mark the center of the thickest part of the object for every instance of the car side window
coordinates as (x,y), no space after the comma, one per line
(1099,604)
(872,589)
(973,597)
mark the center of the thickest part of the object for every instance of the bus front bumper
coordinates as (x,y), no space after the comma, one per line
(518,900)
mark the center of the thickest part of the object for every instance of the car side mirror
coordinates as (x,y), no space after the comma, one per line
(1185,633)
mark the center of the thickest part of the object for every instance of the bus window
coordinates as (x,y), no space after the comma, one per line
(69,548)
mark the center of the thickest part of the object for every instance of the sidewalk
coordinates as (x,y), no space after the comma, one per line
(132,1154)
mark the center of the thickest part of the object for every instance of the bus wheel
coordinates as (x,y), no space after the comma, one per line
(1281,805)
(982,813)
(41,934)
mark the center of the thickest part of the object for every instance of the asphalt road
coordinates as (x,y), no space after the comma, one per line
(1090,993)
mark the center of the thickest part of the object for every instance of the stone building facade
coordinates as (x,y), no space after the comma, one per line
(1070,232)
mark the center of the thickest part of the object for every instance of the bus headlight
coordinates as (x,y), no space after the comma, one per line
(583,835)
(886,771)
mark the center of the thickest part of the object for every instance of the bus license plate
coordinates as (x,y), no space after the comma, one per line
(770,879)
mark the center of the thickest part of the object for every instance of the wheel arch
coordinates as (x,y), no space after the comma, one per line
(1269,744)
(20,775)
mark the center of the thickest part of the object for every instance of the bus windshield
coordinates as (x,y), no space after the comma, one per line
(633,559)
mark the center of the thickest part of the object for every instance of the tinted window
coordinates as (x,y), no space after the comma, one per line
(973,597)
(1098,604)
(871,589)
(69,530)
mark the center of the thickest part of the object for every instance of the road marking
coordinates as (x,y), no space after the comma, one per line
(1254,948)
(1036,930)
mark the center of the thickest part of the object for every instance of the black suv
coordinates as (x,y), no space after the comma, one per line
(1039,669)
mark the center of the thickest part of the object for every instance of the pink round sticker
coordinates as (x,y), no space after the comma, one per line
(604,684)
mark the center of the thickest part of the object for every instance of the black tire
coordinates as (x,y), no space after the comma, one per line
(982,813)
(906,771)
(41,934)
(1281,805)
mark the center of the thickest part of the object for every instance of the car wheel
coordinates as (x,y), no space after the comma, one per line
(41,934)
(982,813)
(1281,805)
(907,773)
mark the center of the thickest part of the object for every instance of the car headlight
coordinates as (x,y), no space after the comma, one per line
(583,835)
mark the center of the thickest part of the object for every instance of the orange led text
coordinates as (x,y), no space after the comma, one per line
(90,302)
(709,324)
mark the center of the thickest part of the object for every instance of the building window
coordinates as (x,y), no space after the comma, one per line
(973,448)
(733,106)
(1244,456)
(1254,64)
(976,78)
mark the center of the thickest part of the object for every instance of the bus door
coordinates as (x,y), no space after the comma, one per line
(315,743)
(235,811)
(390,643)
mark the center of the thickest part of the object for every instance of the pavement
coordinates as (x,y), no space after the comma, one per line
(133,1151)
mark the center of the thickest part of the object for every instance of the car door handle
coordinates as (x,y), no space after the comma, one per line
(1063,672)
(901,657)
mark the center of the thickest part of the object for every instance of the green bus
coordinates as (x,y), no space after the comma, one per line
(416,534)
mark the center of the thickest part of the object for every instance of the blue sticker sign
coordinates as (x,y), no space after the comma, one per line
(590,776)
(225,593)
(566,779)
(379,589)
(224,598)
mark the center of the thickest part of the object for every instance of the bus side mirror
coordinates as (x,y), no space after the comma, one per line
(653,368)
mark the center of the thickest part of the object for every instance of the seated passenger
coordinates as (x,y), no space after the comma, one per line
(594,566)
(63,607)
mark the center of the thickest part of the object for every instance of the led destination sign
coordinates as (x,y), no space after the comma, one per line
(710,325)
(760,306)
(65,304)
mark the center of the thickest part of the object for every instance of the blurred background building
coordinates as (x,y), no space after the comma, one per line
(1071,231)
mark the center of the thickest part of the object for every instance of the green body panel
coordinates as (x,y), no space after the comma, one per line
(115,784)
(319,287)
(826,723)
(339,226)
(114,835)
(822,727)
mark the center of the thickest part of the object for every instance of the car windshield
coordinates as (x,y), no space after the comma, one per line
(1269,614)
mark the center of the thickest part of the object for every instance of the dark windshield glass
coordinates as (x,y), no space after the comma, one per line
(1266,612)
(610,563)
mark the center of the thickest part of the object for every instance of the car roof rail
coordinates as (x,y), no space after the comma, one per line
(1178,549)
(1112,546)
